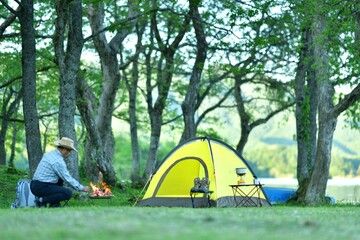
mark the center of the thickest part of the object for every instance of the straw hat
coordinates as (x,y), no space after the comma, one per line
(66,143)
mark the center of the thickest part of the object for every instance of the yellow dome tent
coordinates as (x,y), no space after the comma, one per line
(204,157)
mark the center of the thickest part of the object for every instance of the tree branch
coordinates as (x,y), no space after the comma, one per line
(12,80)
(15,12)
(8,21)
(270,115)
(347,101)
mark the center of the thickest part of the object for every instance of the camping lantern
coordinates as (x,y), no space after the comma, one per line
(241,172)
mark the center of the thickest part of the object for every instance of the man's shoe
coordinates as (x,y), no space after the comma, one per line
(39,204)
(55,205)
(204,185)
(196,185)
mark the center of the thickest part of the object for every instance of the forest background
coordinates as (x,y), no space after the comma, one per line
(168,71)
(271,150)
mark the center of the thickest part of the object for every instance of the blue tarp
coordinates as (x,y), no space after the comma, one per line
(279,195)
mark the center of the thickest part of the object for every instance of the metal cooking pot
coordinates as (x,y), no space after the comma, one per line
(240,171)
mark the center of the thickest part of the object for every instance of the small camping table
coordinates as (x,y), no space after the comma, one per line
(246,199)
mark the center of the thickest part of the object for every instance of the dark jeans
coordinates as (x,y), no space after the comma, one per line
(52,193)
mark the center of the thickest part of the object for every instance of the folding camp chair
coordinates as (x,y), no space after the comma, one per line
(201,186)
(65,203)
(207,193)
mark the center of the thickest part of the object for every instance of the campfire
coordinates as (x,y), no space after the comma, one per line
(102,191)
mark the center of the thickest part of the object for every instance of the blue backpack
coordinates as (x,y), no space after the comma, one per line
(24,197)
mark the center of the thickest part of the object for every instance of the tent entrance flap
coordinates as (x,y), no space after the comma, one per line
(178,179)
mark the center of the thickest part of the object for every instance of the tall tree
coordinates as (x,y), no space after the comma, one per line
(13,143)
(132,87)
(259,62)
(165,71)
(313,192)
(8,110)
(248,122)
(10,35)
(33,139)
(100,144)
(189,105)
(306,92)
(69,17)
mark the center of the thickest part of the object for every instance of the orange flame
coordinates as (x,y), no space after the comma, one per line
(100,192)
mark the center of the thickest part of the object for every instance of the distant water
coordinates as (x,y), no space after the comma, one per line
(344,190)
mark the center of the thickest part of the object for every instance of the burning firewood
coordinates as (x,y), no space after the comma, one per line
(103,191)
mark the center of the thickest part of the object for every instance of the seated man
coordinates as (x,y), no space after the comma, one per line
(50,175)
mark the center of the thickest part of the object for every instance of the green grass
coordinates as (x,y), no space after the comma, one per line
(123,194)
(121,222)
(118,219)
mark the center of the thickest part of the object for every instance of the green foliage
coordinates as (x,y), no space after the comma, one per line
(123,155)
(8,180)
(10,66)
(209,132)
(280,161)
(353,116)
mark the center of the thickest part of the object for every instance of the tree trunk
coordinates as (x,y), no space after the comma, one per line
(164,79)
(111,77)
(104,145)
(190,103)
(244,117)
(3,130)
(4,126)
(96,153)
(154,144)
(132,86)
(156,117)
(328,114)
(302,114)
(13,144)
(315,192)
(32,130)
(313,180)
(247,124)
(69,15)
(7,114)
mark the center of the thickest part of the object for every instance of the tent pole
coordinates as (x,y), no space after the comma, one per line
(137,199)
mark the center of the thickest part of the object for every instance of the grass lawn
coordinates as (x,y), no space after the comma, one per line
(112,222)
(118,219)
